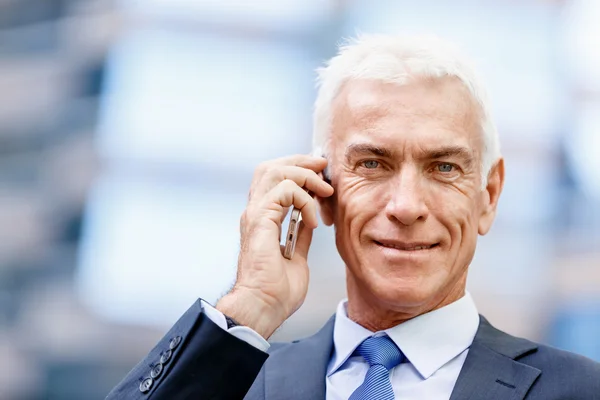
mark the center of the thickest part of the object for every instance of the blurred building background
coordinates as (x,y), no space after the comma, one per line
(129,131)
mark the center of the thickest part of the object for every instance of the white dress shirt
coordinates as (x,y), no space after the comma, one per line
(244,333)
(435,345)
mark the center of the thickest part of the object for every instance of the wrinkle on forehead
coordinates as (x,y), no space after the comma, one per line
(362,104)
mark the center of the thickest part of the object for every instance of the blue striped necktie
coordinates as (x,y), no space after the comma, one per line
(382,354)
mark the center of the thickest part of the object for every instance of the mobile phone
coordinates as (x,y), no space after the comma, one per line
(294,226)
(292,233)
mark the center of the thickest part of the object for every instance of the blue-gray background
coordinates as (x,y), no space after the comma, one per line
(129,131)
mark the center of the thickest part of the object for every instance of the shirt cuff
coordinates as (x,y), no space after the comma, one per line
(244,333)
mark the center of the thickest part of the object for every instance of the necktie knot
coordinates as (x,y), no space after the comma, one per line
(380,350)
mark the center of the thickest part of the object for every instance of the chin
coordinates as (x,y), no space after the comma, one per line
(402,292)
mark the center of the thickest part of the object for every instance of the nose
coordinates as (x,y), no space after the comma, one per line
(406,202)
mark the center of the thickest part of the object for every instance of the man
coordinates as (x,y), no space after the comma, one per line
(413,176)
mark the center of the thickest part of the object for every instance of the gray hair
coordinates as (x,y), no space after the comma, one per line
(397,59)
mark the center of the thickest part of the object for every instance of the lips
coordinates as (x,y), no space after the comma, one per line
(406,246)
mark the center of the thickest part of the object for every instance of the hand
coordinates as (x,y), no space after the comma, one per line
(270,288)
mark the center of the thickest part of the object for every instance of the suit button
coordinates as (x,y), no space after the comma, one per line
(146,385)
(174,342)
(156,370)
(165,357)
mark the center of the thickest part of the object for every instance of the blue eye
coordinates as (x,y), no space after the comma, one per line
(371,164)
(445,167)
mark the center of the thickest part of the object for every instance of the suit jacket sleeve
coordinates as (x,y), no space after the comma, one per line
(196,359)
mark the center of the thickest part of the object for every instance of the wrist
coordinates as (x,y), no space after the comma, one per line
(248,310)
(231,323)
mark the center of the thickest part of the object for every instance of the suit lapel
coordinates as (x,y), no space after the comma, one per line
(297,371)
(491,370)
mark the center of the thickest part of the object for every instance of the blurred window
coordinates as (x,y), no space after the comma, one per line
(185,118)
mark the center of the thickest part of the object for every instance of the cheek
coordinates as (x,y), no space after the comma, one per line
(356,204)
(457,212)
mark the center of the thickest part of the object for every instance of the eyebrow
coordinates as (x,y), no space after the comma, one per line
(367,149)
(449,152)
(430,154)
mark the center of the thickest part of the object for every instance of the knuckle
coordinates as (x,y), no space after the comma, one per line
(289,184)
(306,202)
(311,173)
(293,158)
(274,173)
(267,169)
(245,221)
(314,176)
(249,213)
(261,169)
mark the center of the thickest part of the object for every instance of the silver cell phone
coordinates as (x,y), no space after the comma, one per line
(292,233)
(293,228)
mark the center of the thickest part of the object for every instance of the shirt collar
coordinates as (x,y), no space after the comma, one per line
(428,341)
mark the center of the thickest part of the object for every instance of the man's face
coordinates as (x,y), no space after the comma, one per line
(406,167)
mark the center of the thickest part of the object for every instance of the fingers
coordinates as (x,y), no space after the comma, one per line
(288,194)
(284,213)
(303,242)
(283,183)
(316,164)
(304,178)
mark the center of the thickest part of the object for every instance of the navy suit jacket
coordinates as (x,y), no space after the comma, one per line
(202,361)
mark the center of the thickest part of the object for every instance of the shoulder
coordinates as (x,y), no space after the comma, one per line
(562,372)
(537,355)
(548,358)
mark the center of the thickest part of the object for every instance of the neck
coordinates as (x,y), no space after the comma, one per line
(377,314)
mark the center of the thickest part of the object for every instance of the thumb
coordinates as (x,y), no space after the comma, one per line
(304,239)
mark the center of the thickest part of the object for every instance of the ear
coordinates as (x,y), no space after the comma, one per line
(490,196)
(326,209)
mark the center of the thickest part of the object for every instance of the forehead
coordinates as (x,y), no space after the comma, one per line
(422,112)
